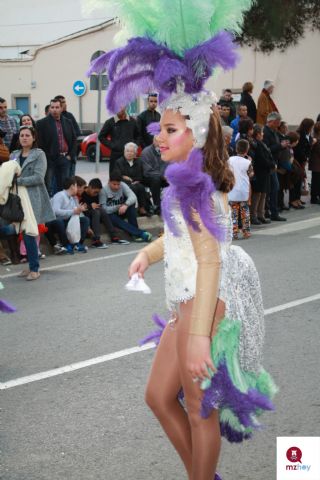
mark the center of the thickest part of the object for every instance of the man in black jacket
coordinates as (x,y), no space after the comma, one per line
(57,139)
(272,140)
(146,117)
(116,132)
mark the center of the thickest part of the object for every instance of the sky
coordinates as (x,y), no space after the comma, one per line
(34,22)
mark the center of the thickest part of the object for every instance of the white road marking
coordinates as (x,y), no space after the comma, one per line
(75,264)
(289,227)
(315,236)
(74,366)
(128,351)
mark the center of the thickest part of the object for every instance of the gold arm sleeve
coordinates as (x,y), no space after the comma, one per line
(155,250)
(207,252)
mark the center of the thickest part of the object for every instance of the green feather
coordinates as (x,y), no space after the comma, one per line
(180,24)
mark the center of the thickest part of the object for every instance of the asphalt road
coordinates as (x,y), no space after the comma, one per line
(91,422)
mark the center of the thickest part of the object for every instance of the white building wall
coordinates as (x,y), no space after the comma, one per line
(54,69)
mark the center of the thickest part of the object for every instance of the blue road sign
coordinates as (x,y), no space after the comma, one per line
(79,88)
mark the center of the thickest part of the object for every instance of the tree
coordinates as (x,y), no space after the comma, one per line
(279,23)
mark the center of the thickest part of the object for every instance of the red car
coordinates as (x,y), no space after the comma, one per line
(88,148)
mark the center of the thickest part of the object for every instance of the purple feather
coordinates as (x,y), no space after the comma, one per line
(153,128)
(191,188)
(101,63)
(217,477)
(123,91)
(156,334)
(5,307)
(219,50)
(162,66)
(233,436)
(223,394)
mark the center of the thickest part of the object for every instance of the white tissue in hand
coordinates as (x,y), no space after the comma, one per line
(137,284)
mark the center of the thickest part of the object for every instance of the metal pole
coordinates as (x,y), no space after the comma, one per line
(80,112)
(98,122)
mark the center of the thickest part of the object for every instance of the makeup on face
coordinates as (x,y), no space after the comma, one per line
(175,139)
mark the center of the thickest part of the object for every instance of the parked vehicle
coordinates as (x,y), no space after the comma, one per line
(88,148)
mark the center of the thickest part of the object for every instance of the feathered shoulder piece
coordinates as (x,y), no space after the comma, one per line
(168,41)
(191,189)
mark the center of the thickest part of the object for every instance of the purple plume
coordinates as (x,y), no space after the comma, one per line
(217,477)
(5,307)
(153,128)
(232,435)
(162,67)
(223,394)
(122,91)
(156,334)
(192,189)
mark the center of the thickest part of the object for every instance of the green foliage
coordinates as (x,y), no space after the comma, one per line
(272,24)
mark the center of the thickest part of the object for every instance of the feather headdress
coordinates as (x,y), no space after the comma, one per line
(168,41)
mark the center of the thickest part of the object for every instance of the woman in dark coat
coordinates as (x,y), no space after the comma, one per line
(314,165)
(263,163)
(301,154)
(246,99)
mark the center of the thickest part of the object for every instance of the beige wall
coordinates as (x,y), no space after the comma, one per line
(54,69)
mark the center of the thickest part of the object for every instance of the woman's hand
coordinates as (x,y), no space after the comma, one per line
(139,265)
(199,360)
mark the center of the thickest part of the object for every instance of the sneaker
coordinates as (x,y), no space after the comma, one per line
(246,235)
(119,241)
(59,250)
(33,276)
(57,247)
(42,256)
(147,237)
(138,239)
(98,244)
(80,248)
(69,249)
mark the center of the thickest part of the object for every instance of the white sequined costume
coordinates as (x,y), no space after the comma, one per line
(239,281)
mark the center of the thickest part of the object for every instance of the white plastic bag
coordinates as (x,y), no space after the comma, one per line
(73,229)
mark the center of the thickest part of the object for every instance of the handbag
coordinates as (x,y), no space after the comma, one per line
(12,210)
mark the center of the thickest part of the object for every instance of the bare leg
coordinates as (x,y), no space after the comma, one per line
(205,433)
(161,396)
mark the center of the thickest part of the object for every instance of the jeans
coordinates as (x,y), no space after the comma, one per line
(72,169)
(32,252)
(97,216)
(61,171)
(131,226)
(274,188)
(59,226)
(6,230)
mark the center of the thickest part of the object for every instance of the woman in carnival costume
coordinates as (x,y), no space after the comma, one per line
(206,379)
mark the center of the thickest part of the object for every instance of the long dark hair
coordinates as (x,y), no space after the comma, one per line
(305,126)
(216,156)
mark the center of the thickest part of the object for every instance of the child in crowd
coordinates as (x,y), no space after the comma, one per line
(98,215)
(239,195)
(119,202)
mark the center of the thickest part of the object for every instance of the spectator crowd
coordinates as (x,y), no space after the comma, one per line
(269,163)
